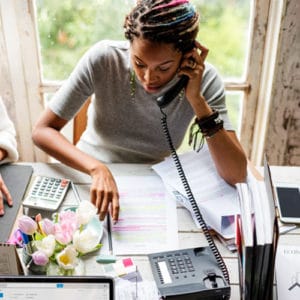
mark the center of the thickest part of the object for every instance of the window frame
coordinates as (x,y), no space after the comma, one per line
(18,19)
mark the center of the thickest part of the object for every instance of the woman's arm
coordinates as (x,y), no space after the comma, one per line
(47,136)
(8,143)
(226,151)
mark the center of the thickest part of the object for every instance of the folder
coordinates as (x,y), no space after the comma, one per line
(257,237)
(16,178)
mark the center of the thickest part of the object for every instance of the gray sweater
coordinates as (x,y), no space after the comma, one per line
(122,129)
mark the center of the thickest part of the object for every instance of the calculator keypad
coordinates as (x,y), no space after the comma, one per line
(47,192)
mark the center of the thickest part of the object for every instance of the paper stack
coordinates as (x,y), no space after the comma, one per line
(256,237)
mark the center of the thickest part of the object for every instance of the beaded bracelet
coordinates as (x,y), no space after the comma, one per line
(207,126)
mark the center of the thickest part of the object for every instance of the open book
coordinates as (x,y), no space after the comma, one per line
(256,236)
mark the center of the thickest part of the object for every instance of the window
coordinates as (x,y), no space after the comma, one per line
(43,39)
(68,28)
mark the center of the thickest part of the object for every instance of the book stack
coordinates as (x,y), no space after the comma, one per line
(256,236)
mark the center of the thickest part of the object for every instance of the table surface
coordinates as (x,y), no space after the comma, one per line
(189,235)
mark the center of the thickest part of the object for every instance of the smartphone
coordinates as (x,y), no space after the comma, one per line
(288,202)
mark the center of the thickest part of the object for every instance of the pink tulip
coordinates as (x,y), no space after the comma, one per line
(48,227)
(27,225)
(63,235)
(40,258)
(66,227)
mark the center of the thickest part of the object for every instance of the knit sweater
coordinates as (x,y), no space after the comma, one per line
(124,124)
(7,136)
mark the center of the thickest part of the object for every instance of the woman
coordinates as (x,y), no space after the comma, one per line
(8,151)
(123,118)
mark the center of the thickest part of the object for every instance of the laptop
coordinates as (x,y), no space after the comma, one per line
(57,287)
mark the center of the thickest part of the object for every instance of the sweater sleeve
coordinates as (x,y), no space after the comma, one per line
(7,136)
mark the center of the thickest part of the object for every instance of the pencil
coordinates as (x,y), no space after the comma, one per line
(110,258)
(75,192)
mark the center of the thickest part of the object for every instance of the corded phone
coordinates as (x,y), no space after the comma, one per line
(188,274)
(165,99)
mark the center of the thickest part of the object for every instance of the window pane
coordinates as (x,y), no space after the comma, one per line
(68,28)
(234,101)
(224,29)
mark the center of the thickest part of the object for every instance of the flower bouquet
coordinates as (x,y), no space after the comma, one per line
(55,246)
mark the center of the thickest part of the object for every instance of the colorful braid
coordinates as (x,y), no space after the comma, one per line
(163,21)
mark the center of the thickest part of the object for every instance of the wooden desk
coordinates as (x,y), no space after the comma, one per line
(189,235)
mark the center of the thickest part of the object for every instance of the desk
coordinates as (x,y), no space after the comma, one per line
(189,235)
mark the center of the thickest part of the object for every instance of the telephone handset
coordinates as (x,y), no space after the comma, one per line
(165,99)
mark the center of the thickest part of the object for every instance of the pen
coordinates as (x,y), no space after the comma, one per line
(108,221)
(75,192)
(110,258)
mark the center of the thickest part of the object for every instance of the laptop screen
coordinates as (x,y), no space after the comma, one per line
(52,288)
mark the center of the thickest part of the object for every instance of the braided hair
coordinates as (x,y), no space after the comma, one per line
(163,21)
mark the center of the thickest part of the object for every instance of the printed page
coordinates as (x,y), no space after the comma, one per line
(217,200)
(288,272)
(148,217)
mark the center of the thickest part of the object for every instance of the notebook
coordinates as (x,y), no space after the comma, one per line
(57,287)
(16,178)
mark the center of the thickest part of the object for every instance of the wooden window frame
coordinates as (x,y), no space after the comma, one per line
(27,88)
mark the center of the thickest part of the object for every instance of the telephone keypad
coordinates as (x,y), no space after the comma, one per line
(180,264)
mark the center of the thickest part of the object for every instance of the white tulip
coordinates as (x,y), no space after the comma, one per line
(46,245)
(67,258)
(86,240)
(85,212)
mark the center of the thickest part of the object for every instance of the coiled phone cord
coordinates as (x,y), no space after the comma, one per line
(191,198)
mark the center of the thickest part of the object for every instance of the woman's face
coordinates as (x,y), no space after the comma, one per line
(155,64)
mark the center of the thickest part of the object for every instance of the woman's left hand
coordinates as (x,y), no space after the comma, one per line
(193,66)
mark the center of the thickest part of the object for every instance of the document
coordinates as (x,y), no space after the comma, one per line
(148,217)
(216,199)
(288,272)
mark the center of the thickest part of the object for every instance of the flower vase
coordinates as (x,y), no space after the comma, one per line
(29,264)
(51,269)
(55,270)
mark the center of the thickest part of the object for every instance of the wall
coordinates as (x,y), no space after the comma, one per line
(282,144)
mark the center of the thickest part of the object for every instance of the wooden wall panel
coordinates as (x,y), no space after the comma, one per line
(282,143)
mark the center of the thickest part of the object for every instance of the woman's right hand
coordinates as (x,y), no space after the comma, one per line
(104,192)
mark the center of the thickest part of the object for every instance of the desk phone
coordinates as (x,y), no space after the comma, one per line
(46,193)
(188,274)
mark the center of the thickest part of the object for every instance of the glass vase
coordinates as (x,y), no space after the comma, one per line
(55,270)
(29,264)
(51,269)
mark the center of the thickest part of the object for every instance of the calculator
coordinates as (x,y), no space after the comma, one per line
(46,193)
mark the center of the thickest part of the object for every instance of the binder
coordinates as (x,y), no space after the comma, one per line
(257,237)
(16,178)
